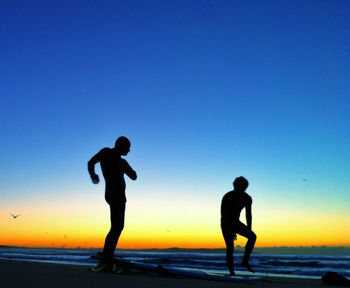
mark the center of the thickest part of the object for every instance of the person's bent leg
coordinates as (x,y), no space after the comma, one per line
(228,237)
(248,250)
(117,225)
(249,246)
(250,235)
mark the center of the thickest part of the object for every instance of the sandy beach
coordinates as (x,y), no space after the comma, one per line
(19,274)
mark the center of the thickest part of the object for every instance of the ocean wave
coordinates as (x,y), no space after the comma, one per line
(274,264)
(311,264)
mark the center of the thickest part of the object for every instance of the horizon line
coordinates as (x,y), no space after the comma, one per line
(187,248)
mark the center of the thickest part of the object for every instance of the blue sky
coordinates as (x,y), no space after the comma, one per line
(205,90)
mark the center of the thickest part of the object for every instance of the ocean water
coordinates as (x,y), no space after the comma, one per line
(310,266)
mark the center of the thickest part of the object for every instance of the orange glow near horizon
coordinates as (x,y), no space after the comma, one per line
(133,238)
(61,224)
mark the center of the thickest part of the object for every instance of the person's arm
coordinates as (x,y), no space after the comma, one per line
(91,167)
(128,170)
(248,214)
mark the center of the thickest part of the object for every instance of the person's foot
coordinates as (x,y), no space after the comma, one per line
(104,265)
(111,267)
(118,269)
(101,265)
(246,265)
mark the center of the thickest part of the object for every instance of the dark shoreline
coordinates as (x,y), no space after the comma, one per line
(19,274)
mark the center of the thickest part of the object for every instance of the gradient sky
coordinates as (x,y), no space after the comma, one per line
(205,90)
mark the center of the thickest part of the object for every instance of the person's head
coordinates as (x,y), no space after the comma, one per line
(122,145)
(240,184)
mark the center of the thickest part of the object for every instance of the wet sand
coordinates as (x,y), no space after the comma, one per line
(21,274)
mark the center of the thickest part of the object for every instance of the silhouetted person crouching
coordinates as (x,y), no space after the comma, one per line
(113,169)
(232,204)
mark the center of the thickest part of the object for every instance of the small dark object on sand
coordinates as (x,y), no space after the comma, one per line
(333,278)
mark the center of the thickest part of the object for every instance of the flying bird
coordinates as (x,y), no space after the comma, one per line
(14,216)
(304,179)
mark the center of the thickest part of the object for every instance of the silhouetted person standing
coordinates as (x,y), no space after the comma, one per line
(113,168)
(232,204)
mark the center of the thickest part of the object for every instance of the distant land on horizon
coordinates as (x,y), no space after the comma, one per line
(300,250)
